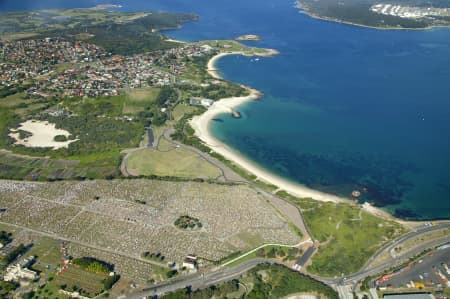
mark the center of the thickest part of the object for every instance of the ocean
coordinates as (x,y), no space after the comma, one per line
(345,108)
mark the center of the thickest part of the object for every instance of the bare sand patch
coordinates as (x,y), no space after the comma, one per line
(42,133)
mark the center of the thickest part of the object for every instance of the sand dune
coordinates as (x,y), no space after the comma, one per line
(42,135)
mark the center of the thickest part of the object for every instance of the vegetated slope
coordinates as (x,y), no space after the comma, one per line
(344,231)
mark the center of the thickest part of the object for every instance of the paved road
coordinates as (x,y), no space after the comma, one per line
(265,245)
(293,214)
(307,255)
(287,209)
(201,280)
(369,271)
(343,285)
(229,175)
(391,245)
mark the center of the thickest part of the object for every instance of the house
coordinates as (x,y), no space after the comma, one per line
(17,273)
(194,101)
(206,48)
(190,262)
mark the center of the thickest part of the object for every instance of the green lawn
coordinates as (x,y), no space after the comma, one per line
(14,100)
(182,109)
(47,251)
(345,231)
(136,100)
(74,278)
(13,166)
(174,162)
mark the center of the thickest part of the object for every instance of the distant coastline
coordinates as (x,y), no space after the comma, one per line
(335,20)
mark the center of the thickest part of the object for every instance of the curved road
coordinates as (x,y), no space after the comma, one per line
(366,270)
(287,209)
(225,274)
(294,215)
(200,280)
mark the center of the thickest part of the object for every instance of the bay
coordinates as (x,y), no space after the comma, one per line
(345,107)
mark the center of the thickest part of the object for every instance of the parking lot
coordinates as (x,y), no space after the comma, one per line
(429,271)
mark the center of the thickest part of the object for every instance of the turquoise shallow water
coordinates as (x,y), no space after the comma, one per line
(344,108)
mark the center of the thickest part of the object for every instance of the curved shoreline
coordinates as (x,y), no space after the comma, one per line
(329,19)
(201,125)
(213,71)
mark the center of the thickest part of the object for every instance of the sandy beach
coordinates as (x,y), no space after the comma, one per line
(174,41)
(201,125)
(212,69)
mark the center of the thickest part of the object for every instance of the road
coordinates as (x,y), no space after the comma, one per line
(200,280)
(265,245)
(391,245)
(228,174)
(369,271)
(293,214)
(307,255)
(343,285)
(286,209)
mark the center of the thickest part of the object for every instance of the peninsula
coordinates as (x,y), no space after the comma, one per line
(407,14)
(249,37)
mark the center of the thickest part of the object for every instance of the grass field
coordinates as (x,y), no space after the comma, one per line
(182,109)
(14,100)
(136,100)
(75,278)
(46,251)
(17,36)
(13,166)
(346,231)
(173,162)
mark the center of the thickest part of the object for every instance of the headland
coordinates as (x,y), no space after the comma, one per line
(248,37)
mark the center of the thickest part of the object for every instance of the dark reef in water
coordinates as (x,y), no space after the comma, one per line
(378,179)
(405,213)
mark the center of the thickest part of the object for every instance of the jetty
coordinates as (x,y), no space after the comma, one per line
(235,113)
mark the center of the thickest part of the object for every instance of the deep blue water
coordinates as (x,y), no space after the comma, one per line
(344,108)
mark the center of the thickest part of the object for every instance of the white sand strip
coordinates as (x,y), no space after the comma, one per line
(201,125)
